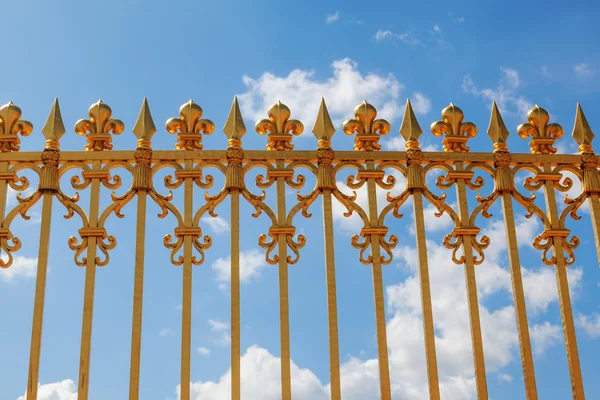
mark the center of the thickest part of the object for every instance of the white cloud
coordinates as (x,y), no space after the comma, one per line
(302,93)
(382,35)
(583,71)
(165,332)
(203,351)
(421,104)
(332,18)
(505,93)
(223,331)
(437,29)
(590,324)
(22,267)
(251,263)
(408,37)
(218,225)
(63,390)
(505,378)
(460,20)
(543,336)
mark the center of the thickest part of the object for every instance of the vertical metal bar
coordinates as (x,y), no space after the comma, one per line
(138,293)
(334,351)
(432,371)
(471,282)
(235,294)
(284,314)
(88,299)
(594,201)
(563,293)
(380,323)
(40,294)
(186,301)
(519,297)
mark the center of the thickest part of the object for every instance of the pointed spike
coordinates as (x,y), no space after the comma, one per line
(144,127)
(54,128)
(582,133)
(410,129)
(497,129)
(323,128)
(234,126)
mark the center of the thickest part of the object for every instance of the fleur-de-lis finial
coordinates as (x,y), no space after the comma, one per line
(280,127)
(97,129)
(323,128)
(144,127)
(582,133)
(497,129)
(54,128)
(410,129)
(543,135)
(189,126)
(10,125)
(368,129)
(457,132)
(234,126)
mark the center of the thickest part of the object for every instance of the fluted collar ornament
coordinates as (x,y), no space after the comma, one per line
(11,124)
(324,130)
(234,129)
(543,135)
(498,133)
(368,129)
(53,130)
(190,126)
(457,133)
(98,127)
(583,135)
(143,129)
(411,131)
(280,127)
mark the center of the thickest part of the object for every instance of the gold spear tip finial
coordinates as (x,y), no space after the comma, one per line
(234,127)
(497,129)
(323,128)
(144,127)
(582,133)
(54,128)
(410,129)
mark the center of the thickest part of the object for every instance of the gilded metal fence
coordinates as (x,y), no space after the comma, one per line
(280,161)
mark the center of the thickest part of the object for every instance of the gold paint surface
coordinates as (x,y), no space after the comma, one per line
(280,164)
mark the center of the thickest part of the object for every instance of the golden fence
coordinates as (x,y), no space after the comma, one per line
(458,167)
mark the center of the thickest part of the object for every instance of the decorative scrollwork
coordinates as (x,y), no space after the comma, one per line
(547,241)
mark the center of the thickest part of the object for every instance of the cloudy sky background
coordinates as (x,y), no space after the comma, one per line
(469,52)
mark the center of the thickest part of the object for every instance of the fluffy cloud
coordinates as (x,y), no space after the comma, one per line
(63,390)
(330,19)
(301,91)
(222,331)
(22,267)
(583,71)
(251,263)
(590,324)
(408,37)
(218,225)
(505,93)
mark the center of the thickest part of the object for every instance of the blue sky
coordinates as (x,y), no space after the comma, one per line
(469,53)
